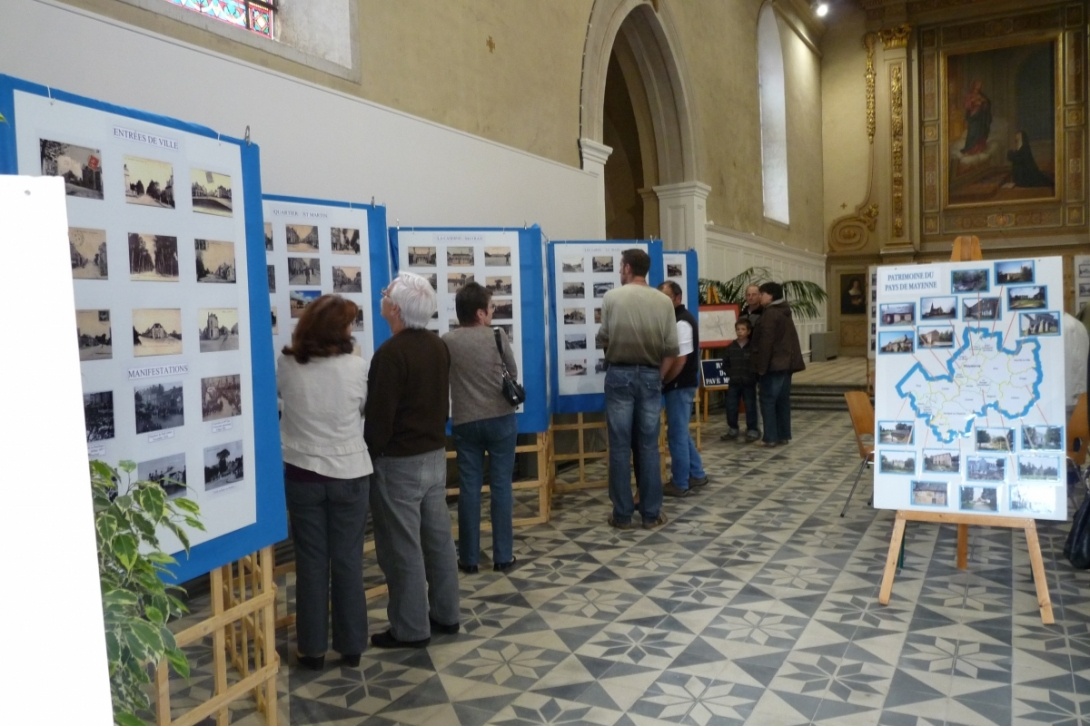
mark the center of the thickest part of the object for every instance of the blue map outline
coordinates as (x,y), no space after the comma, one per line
(950,378)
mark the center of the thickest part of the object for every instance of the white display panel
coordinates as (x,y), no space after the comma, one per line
(1082,282)
(969,407)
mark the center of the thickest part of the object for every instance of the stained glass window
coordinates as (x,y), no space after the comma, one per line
(255,15)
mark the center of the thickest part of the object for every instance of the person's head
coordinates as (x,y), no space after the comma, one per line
(672,291)
(410,300)
(324,329)
(473,304)
(770,291)
(743,329)
(753,296)
(634,264)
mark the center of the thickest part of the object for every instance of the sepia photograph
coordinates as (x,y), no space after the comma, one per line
(271,271)
(215,261)
(158,406)
(598,315)
(986,468)
(221,397)
(299,300)
(939,308)
(87,248)
(156,331)
(168,472)
(94,335)
(1045,323)
(497,257)
(575,367)
(573,290)
(1033,499)
(1023,297)
(893,342)
(459,256)
(979,499)
(98,415)
(149,182)
(1014,271)
(1042,436)
(574,316)
(457,281)
(969,281)
(897,314)
(571,264)
(505,308)
(422,257)
(499,285)
(344,240)
(153,258)
(347,279)
(218,329)
(897,462)
(574,341)
(211,192)
(995,439)
(941,461)
(79,166)
(304,271)
(301,238)
(929,493)
(602,264)
(980,309)
(1039,467)
(673,270)
(268,237)
(222,465)
(601,288)
(895,432)
(935,336)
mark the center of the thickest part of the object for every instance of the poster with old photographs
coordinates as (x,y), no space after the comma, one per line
(1082,285)
(157,234)
(681,268)
(969,405)
(314,247)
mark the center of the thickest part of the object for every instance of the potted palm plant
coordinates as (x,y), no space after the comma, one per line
(804,296)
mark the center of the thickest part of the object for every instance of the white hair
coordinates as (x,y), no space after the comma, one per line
(415,299)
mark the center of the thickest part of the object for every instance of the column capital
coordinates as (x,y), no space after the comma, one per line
(594,154)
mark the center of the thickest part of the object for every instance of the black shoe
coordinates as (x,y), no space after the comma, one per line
(672,490)
(620,525)
(386,640)
(652,524)
(471,569)
(350,660)
(314,663)
(438,628)
(697,482)
(504,567)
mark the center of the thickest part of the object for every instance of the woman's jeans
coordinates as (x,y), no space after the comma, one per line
(496,436)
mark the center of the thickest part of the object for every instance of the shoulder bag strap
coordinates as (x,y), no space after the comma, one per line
(499,347)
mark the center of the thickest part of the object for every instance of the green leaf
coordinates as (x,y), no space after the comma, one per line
(127,718)
(178,662)
(184,503)
(125,547)
(154,615)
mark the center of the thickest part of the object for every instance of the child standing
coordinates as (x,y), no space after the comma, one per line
(743,383)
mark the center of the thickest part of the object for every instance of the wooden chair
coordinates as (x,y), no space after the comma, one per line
(1078,441)
(862,413)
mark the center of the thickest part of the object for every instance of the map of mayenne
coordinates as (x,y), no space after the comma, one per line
(982,375)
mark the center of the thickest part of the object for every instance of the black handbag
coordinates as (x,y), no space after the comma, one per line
(510,388)
(1077,547)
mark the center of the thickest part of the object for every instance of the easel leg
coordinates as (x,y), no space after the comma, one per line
(891,559)
(963,546)
(1040,580)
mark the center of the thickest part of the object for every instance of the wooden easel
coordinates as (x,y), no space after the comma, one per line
(968,248)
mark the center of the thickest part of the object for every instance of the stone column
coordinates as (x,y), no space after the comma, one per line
(594,156)
(683,215)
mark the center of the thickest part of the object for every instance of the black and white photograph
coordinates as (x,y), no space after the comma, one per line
(156,331)
(600,366)
(673,270)
(1084,270)
(897,462)
(499,285)
(1033,499)
(422,257)
(897,314)
(575,341)
(98,415)
(986,468)
(935,336)
(347,279)
(80,166)
(153,257)
(222,465)
(1013,271)
(599,344)
(433,280)
(457,281)
(300,299)
(941,461)
(601,264)
(218,329)
(571,264)
(497,257)
(575,316)
(994,439)
(275,326)
(304,271)
(969,281)
(268,237)
(358,324)
(211,192)
(221,397)
(895,432)
(575,367)
(301,238)
(1084,290)
(158,406)
(459,256)
(1042,436)
(893,342)
(939,308)
(1027,297)
(507,328)
(215,261)
(1039,467)
(1045,323)
(271,271)
(94,334)
(598,315)
(168,472)
(505,308)
(601,288)
(980,309)
(932,494)
(87,248)
(344,240)
(149,182)
(979,499)
(574,290)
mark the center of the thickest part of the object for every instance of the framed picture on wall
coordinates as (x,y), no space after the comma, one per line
(853,294)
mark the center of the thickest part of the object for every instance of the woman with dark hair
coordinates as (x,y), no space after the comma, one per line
(481,421)
(323,389)
(776,356)
(1024,169)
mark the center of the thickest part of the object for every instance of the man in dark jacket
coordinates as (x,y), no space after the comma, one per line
(776,356)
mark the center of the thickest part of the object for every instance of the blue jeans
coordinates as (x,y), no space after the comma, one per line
(633,405)
(775,393)
(413,542)
(747,394)
(498,437)
(685,462)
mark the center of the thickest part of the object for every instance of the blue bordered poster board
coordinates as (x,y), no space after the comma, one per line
(581,272)
(969,394)
(507,262)
(167,253)
(318,246)
(683,268)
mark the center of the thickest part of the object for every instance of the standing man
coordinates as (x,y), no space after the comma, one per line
(405,431)
(678,391)
(639,335)
(776,356)
(752,308)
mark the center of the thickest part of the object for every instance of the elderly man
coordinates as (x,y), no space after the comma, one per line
(752,308)
(405,430)
(678,392)
(639,335)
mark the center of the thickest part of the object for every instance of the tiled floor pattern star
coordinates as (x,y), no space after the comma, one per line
(754,604)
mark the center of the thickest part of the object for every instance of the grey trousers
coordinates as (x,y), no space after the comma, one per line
(327,524)
(413,542)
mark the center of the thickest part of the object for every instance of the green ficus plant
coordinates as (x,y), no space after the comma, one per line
(136,603)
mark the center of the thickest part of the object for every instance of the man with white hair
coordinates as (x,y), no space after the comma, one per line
(405,430)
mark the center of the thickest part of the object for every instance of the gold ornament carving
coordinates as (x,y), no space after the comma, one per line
(868,42)
(850,233)
(897,145)
(896,37)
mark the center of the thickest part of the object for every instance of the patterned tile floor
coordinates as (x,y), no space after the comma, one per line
(755,604)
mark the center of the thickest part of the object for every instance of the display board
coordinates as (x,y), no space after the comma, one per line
(969,406)
(314,247)
(164,218)
(682,268)
(508,263)
(1082,282)
(580,274)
